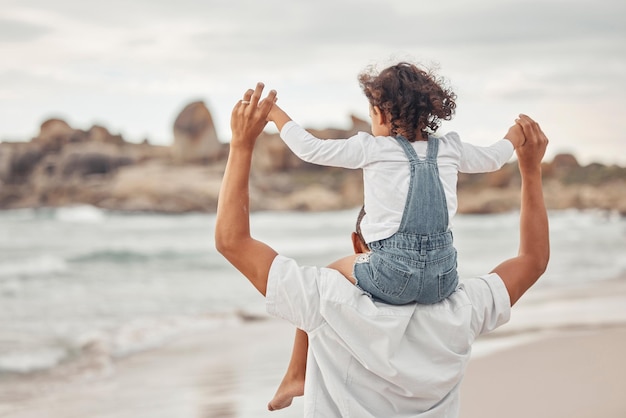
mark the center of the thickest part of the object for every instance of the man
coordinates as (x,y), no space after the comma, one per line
(368,359)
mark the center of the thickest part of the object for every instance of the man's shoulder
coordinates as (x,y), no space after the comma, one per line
(489,298)
(327,286)
(491,281)
(484,289)
(292,292)
(285,268)
(315,288)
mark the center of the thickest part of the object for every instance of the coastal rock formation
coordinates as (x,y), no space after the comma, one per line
(67,166)
(53,132)
(195,137)
(64,166)
(567,185)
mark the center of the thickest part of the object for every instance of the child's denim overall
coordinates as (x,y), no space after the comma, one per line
(417,263)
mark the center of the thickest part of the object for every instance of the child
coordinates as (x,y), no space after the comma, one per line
(409,179)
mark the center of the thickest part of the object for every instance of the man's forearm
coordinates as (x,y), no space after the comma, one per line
(534,231)
(521,272)
(233,212)
(232,230)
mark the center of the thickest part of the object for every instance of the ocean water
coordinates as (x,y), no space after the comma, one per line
(79,277)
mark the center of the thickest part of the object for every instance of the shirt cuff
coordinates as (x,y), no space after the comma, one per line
(286,127)
(271,289)
(502,300)
(507,146)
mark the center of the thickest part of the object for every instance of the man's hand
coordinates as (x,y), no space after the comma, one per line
(531,153)
(249,116)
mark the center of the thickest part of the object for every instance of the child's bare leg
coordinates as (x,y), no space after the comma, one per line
(292,384)
(345,266)
(293,381)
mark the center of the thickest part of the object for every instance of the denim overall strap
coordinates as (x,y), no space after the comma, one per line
(433,150)
(425,210)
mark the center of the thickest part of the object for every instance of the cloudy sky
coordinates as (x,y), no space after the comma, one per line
(132,65)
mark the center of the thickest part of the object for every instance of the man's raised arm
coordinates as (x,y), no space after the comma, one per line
(521,272)
(232,227)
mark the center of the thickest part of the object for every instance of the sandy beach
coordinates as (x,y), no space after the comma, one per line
(574,375)
(569,371)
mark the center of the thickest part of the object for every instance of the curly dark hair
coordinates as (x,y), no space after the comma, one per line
(416,101)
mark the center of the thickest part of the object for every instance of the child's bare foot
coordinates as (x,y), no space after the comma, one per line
(288,389)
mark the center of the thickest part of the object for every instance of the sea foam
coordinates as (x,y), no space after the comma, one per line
(32,266)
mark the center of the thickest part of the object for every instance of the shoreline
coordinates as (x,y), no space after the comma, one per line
(534,366)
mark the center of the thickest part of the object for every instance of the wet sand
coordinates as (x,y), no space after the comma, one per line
(573,371)
(574,375)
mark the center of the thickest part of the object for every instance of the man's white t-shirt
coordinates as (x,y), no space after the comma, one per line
(368,359)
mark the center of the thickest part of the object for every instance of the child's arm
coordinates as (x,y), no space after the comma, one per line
(516,136)
(346,153)
(475,159)
(278,116)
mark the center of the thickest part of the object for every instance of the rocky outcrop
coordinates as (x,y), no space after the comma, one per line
(67,166)
(63,165)
(195,137)
(155,187)
(567,185)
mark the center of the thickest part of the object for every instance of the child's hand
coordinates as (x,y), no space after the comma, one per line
(273,111)
(516,135)
(278,116)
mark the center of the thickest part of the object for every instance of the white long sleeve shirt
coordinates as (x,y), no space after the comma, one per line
(386,169)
